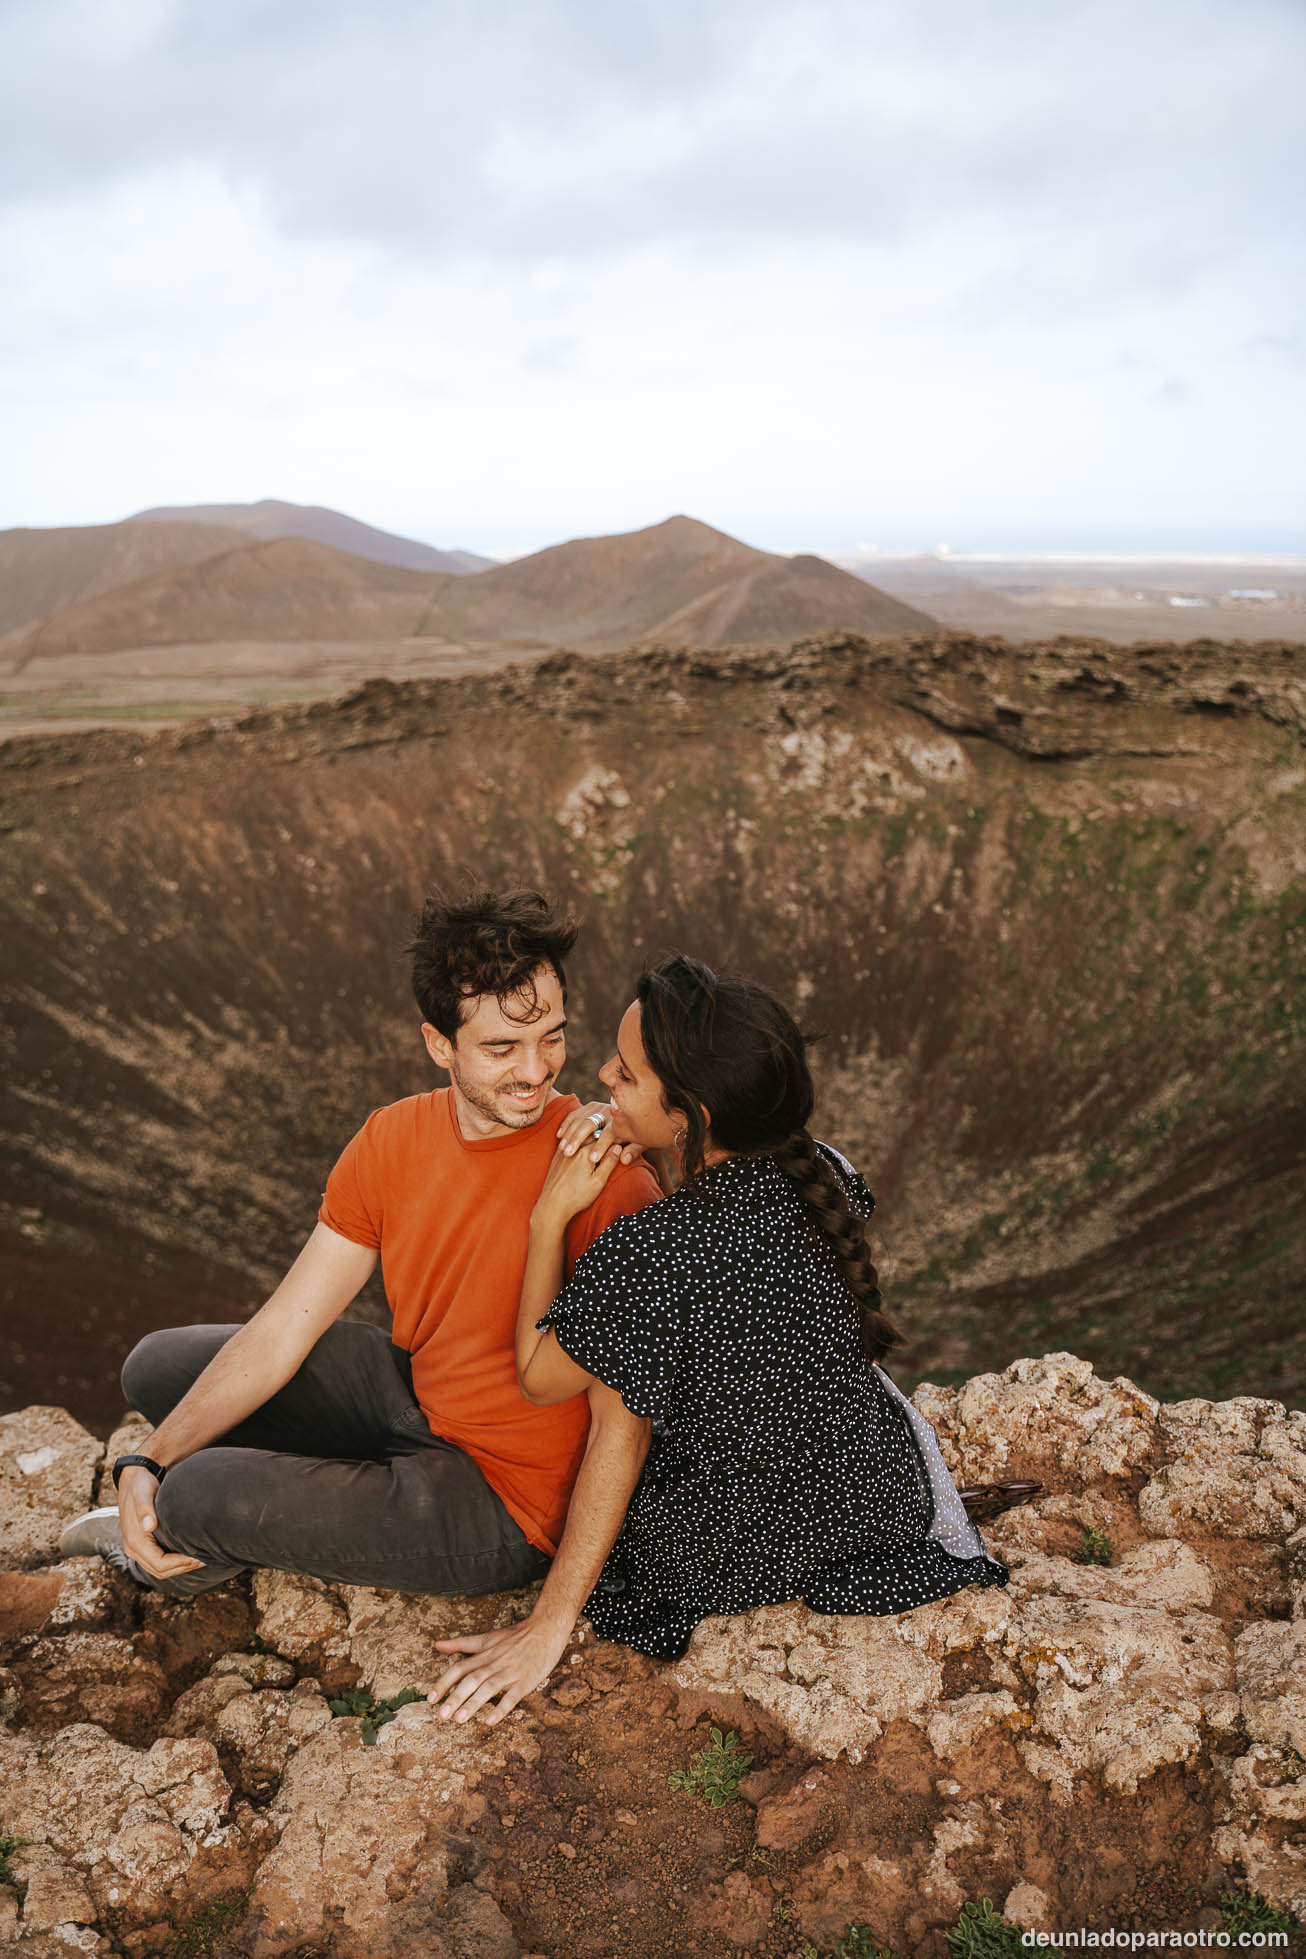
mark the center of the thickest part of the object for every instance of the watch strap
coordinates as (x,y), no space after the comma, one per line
(138,1462)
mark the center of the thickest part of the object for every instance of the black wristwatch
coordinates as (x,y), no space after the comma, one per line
(138,1462)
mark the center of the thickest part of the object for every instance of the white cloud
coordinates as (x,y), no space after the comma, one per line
(809,274)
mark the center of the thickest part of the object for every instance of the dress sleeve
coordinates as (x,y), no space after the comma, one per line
(630,1187)
(860,1201)
(619,1316)
(351,1203)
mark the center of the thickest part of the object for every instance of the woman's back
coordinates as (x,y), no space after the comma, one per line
(783,1464)
(765,1337)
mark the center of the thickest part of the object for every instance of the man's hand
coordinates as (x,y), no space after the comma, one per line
(136,1491)
(506,1664)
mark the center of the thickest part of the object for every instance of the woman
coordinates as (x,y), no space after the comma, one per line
(740,1317)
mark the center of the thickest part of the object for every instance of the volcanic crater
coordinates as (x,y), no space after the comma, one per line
(1043,905)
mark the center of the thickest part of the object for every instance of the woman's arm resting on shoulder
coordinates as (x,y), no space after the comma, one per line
(544,1373)
(502,1666)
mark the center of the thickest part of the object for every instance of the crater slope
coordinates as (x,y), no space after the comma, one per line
(1043,904)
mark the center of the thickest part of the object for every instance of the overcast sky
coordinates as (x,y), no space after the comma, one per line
(1017,274)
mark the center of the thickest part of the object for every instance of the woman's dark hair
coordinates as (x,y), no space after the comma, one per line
(486,943)
(719,1042)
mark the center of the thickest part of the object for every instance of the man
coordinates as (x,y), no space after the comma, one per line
(306,1443)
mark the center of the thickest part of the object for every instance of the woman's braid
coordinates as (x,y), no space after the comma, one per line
(827,1206)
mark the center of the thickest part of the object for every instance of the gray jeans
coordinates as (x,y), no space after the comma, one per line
(337,1476)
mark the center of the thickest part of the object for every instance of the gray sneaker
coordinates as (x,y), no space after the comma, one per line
(98,1534)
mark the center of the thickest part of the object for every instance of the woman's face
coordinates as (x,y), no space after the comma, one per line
(636,1091)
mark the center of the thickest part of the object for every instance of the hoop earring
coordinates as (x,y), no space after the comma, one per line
(680,1138)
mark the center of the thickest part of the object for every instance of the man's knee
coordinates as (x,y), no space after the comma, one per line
(144,1370)
(183,1505)
(213,1504)
(160,1368)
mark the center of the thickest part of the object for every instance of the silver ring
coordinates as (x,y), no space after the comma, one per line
(600,1122)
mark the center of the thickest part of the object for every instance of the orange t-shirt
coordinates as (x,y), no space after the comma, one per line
(450,1218)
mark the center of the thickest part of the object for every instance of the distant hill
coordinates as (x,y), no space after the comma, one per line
(272,518)
(288,589)
(42,569)
(678,582)
(784,597)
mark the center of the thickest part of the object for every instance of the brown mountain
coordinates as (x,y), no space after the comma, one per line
(784,597)
(288,589)
(678,582)
(42,569)
(272,518)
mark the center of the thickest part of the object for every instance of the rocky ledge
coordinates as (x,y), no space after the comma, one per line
(1096,1744)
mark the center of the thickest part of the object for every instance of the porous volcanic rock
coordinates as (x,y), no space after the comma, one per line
(1237,1467)
(47,1469)
(383,1640)
(365,1830)
(256,1726)
(133,1822)
(1094,1743)
(1051,1410)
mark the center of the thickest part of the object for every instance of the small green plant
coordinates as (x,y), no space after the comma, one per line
(859,1942)
(1095,1547)
(8,1845)
(196,1933)
(373,1713)
(713,1775)
(982,1933)
(1248,1911)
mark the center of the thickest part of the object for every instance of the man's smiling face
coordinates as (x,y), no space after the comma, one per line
(506,1057)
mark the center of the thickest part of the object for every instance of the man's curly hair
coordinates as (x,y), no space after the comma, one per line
(488,942)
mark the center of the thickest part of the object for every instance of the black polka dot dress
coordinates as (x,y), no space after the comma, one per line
(783,1465)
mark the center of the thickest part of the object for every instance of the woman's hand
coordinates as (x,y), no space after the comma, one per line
(573,1182)
(502,1667)
(592,1124)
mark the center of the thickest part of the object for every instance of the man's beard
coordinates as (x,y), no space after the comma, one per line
(486,1101)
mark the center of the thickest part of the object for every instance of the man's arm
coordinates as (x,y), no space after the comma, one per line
(514,1660)
(329,1272)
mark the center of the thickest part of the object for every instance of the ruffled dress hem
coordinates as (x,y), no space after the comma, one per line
(662,1631)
